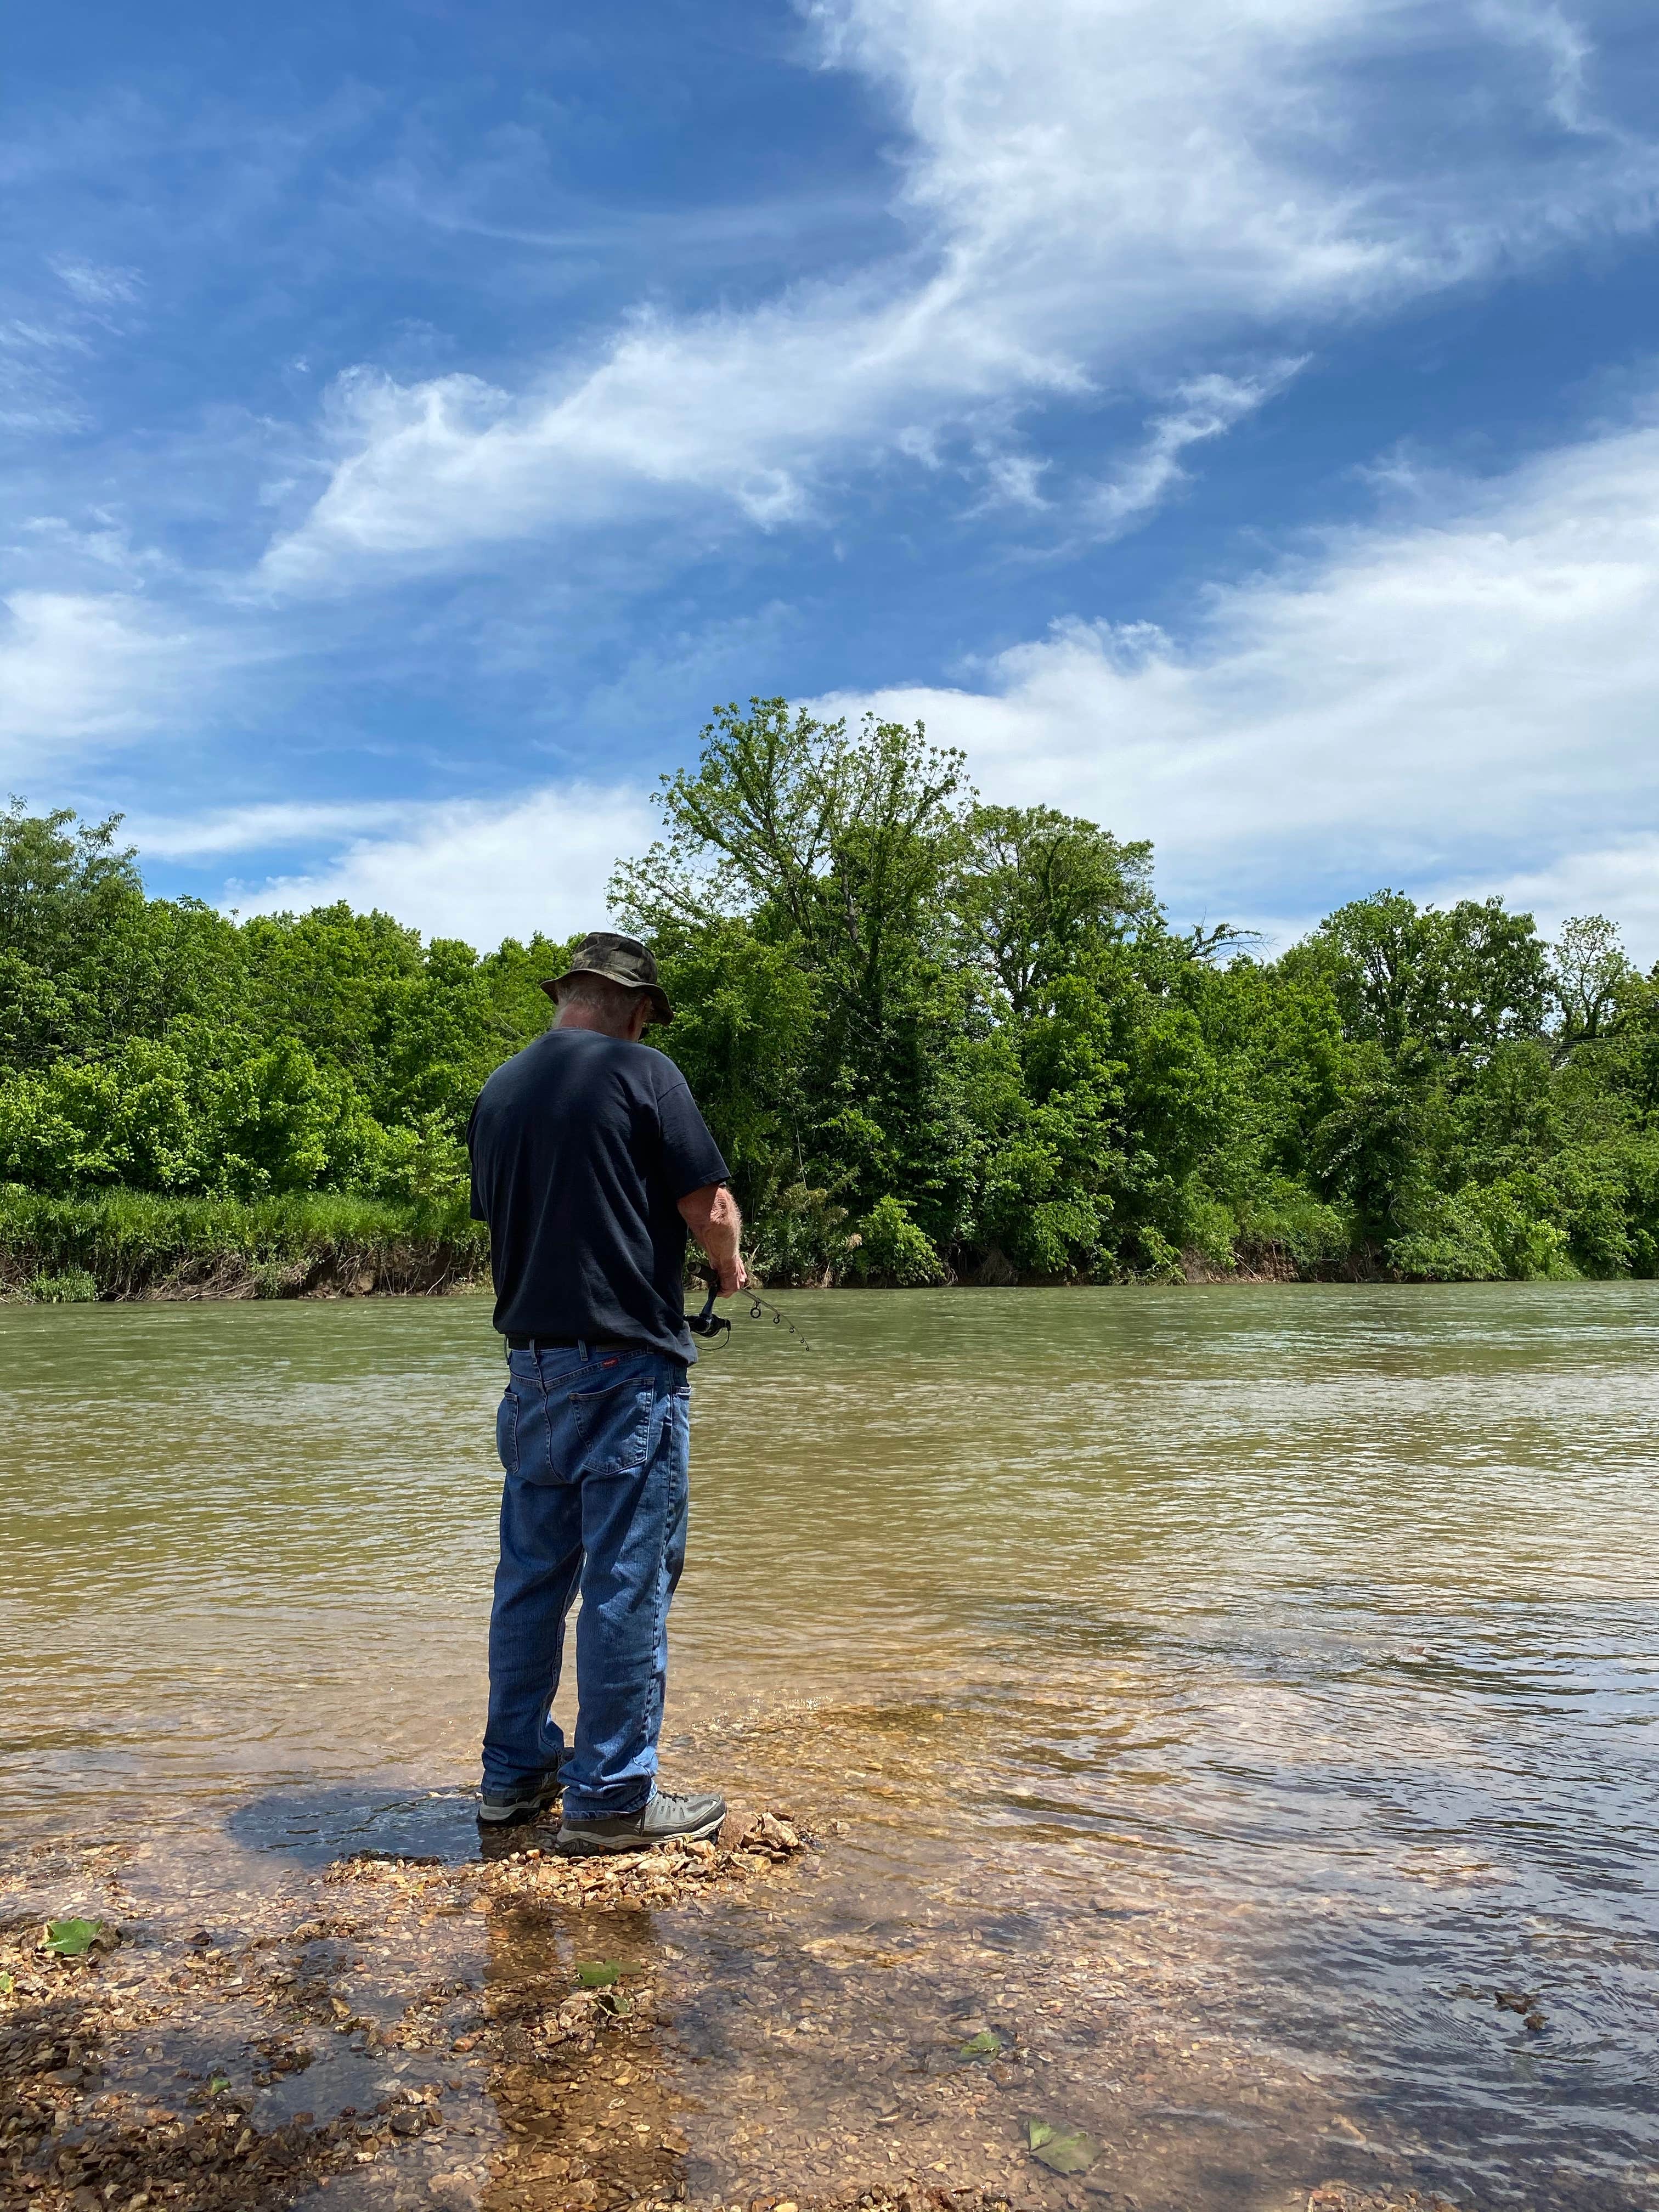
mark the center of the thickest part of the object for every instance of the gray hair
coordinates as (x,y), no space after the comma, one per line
(612,1003)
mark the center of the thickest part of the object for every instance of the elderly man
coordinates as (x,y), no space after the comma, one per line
(590,1162)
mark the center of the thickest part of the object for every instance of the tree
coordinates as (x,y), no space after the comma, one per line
(1458,981)
(1591,982)
(1038,895)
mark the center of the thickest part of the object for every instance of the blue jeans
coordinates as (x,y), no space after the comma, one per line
(597,1447)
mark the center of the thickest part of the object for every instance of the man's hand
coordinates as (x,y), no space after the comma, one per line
(711,1216)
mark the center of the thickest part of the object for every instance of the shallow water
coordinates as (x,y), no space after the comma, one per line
(1226,1694)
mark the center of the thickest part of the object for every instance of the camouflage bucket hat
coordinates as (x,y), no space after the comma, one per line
(622,960)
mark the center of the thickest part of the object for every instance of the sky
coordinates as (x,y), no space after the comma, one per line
(1236,423)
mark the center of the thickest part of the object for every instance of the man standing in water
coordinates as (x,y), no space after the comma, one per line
(590,1162)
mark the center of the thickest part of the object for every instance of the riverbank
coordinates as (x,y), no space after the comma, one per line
(119,1245)
(124,1244)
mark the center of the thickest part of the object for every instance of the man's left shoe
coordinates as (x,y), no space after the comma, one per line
(518,1801)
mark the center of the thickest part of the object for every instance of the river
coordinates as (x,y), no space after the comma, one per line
(1224,1696)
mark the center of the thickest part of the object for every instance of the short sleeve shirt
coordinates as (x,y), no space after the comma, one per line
(582,1146)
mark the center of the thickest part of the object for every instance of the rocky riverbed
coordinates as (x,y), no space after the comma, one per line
(505,2033)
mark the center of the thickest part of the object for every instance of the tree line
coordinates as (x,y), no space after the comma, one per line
(937,1040)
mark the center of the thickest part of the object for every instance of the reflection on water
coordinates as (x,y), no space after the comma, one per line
(1227,1697)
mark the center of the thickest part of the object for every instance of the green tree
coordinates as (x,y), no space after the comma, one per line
(1038,895)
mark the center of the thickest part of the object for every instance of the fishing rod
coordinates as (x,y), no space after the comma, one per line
(709,1324)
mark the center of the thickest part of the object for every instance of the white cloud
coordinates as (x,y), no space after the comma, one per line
(79,668)
(1465,699)
(265,827)
(1210,405)
(97,287)
(478,871)
(1104,196)
(1619,879)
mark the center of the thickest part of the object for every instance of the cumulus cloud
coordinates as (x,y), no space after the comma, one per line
(474,869)
(1467,698)
(82,668)
(1102,197)
(1619,879)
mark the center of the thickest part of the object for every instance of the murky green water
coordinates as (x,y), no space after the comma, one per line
(1238,1688)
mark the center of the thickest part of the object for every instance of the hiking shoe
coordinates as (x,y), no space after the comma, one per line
(665,1819)
(518,1801)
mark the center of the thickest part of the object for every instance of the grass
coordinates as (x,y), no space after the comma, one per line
(135,1244)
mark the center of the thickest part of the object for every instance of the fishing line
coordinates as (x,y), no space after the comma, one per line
(711,1325)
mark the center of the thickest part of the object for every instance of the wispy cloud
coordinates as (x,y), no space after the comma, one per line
(273,826)
(98,287)
(1469,698)
(1206,408)
(1097,196)
(81,668)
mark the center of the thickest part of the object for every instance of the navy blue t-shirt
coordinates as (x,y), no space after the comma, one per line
(582,1146)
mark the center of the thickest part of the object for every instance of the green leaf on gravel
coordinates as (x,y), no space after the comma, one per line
(217,2081)
(72,1939)
(600,1976)
(982,2046)
(1062,2150)
(7,1985)
(613,2001)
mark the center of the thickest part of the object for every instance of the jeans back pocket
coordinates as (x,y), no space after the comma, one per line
(614,1424)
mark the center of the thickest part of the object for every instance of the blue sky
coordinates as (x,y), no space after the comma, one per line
(1238,423)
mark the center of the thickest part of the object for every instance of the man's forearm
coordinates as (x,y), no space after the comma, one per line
(714,1219)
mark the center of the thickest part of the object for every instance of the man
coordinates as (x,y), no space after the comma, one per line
(590,1162)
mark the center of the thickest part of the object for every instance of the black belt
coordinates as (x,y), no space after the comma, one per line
(573,1343)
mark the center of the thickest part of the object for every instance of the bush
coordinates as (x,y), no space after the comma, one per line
(1499,1232)
(800,1237)
(74,1287)
(1164,1262)
(892,1251)
(1286,1217)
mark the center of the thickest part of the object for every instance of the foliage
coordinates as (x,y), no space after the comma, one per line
(74,1287)
(123,1244)
(891,1250)
(938,1040)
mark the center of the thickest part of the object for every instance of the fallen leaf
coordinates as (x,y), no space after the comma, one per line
(7,1985)
(613,2001)
(982,2046)
(72,1939)
(1062,2150)
(217,2081)
(598,1977)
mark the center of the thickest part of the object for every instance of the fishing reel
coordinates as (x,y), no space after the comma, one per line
(708,1323)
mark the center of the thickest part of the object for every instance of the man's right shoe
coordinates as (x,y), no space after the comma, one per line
(664,1820)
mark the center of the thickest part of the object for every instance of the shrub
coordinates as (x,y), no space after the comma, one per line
(1500,1232)
(72,1287)
(1164,1262)
(892,1251)
(800,1237)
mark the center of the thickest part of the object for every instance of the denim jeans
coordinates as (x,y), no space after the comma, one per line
(596,1447)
